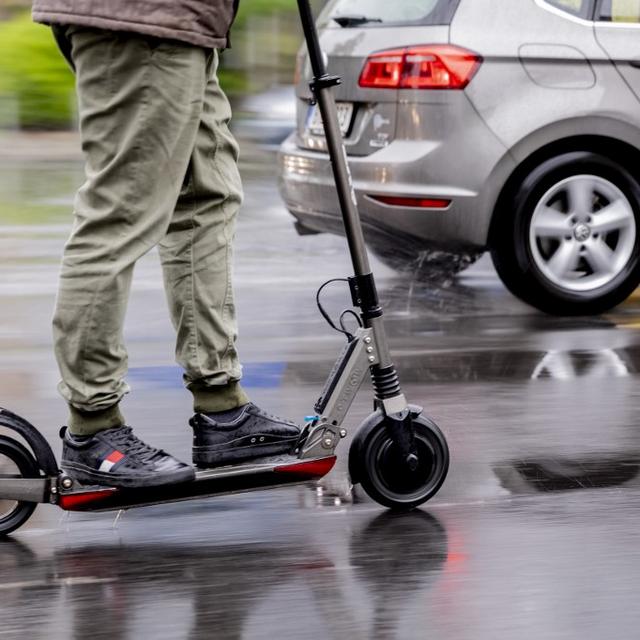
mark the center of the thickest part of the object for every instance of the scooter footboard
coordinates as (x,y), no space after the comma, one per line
(225,480)
(25,489)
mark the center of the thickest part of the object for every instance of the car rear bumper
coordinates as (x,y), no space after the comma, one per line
(307,187)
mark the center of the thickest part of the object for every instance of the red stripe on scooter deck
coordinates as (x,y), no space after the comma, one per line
(85,499)
(286,470)
(313,468)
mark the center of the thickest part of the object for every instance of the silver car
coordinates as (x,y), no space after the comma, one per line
(504,125)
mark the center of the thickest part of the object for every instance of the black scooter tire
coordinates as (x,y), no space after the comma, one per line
(28,468)
(374,463)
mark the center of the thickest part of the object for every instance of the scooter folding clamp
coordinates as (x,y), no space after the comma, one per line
(324,82)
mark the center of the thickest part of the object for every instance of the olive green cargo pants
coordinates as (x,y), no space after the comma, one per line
(161,170)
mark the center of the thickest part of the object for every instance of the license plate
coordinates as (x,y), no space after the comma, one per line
(314,119)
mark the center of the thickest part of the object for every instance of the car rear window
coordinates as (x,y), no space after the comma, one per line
(620,11)
(392,12)
(580,8)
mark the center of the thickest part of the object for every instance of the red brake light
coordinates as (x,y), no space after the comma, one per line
(438,66)
(383,70)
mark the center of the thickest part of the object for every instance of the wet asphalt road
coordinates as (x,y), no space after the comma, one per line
(534,535)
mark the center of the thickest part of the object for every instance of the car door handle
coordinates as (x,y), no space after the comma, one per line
(635,63)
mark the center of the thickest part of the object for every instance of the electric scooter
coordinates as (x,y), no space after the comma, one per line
(398,455)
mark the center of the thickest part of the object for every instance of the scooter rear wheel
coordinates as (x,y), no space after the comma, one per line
(375,462)
(15,462)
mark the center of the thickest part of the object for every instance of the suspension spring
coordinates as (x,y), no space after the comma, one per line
(385,382)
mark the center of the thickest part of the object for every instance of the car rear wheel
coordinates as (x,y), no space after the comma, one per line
(569,243)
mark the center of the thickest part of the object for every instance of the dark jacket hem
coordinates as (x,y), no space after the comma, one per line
(109,24)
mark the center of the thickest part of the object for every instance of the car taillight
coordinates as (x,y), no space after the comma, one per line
(438,66)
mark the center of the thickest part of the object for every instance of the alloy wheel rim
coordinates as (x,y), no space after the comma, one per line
(582,233)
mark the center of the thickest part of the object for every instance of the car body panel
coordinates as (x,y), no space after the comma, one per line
(432,168)
(501,82)
(540,62)
(622,44)
(545,79)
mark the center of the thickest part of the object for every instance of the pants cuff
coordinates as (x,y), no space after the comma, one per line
(87,423)
(210,399)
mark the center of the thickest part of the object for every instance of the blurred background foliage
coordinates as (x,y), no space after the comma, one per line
(36,86)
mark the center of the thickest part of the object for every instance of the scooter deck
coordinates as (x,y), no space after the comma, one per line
(266,474)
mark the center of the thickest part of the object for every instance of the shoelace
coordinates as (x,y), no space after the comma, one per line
(133,446)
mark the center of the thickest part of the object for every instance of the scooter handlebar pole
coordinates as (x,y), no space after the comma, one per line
(311,37)
(363,285)
(321,87)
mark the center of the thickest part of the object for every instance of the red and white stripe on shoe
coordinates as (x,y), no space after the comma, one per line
(111,461)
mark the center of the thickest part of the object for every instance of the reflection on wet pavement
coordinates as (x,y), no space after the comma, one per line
(533,535)
(561,474)
(230,590)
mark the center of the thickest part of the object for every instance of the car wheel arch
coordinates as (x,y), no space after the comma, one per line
(607,146)
(554,250)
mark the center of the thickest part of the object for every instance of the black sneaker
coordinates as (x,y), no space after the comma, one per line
(252,434)
(117,458)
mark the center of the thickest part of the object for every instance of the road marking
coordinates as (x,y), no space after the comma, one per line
(60,582)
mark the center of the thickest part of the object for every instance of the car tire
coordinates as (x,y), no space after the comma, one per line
(568,239)
(424,265)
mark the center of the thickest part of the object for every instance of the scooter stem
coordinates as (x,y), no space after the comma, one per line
(363,288)
(321,87)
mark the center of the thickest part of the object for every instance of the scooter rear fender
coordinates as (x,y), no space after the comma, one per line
(39,446)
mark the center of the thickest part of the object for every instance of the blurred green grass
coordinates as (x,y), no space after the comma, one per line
(38,193)
(21,213)
(36,85)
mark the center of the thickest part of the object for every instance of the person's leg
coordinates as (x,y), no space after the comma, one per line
(197,261)
(140,102)
(197,258)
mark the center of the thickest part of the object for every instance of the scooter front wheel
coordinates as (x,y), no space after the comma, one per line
(376,463)
(15,462)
